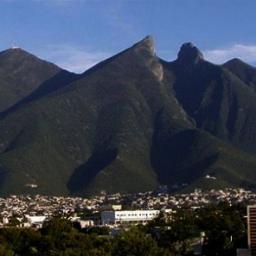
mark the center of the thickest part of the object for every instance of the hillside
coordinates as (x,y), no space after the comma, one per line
(129,124)
(21,73)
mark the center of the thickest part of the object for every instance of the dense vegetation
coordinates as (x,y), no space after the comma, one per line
(224,230)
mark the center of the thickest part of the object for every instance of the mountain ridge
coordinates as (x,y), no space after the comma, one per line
(131,123)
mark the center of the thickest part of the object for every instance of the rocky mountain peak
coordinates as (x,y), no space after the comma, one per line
(15,50)
(15,54)
(189,54)
(147,44)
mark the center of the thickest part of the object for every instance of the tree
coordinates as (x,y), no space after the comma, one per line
(225,229)
(5,250)
(179,232)
(136,243)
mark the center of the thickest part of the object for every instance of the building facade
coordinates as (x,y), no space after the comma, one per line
(133,216)
(251,227)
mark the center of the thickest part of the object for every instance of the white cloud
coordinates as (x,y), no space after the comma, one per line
(245,52)
(73,58)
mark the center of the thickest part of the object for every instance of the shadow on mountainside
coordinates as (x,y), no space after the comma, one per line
(86,172)
(59,81)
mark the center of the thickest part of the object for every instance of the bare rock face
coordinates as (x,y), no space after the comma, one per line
(147,45)
(146,48)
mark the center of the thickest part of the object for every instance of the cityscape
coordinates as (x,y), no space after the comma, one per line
(127,128)
(34,210)
(118,212)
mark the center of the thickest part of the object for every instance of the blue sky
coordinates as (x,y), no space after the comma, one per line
(77,34)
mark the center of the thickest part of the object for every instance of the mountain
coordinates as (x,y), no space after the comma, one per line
(219,101)
(21,73)
(129,124)
(245,72)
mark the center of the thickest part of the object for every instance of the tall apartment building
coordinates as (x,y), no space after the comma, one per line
(251,226)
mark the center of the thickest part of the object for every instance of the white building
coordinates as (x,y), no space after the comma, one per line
(36,221)
(86,223)
(116,217)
